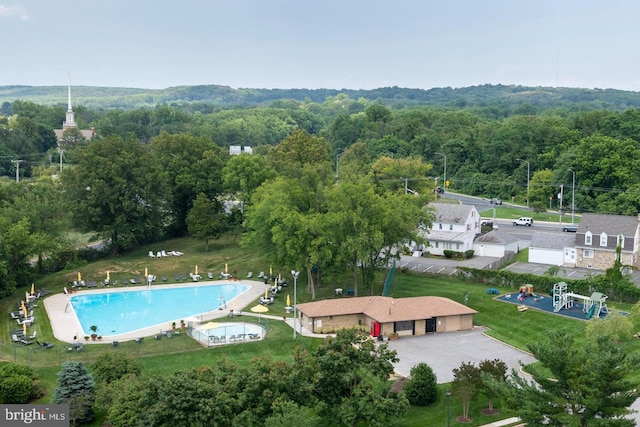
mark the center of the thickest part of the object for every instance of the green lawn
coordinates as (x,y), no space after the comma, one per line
(181,352)
(506,212)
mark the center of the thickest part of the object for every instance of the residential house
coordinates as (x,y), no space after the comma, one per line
(553,248)
(386,315)
(454,228)
(599,235)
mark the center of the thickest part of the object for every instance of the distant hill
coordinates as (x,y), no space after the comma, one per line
(102,98)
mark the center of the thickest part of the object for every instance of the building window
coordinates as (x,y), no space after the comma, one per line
(436,244)
(406,325)
(588,253)
(603,239)
(468,227)
(440,225)
(457,246)
(450,226)
(587,238)
(330,317)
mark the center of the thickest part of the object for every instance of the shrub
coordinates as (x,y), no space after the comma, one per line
(422,387)
(468,253)
(109,367)
(18,384)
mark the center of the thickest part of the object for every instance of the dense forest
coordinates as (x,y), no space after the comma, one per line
(148,169)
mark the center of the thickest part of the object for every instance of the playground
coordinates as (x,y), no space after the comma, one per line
(559,302)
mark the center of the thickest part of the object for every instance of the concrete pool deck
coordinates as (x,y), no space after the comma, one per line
(65,324)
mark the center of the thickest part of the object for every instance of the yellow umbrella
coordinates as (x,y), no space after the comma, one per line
(265,292)
(146,273)
(259,309)
(79,276)
(196,270)
(270,271)
(33,289)
(288,301)
(24,328)
(24,309)
(108,278)
(26,296)
(226,267)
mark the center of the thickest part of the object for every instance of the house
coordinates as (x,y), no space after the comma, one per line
(599,235)
(454,228)
(553,248)
(495,243)
(386,315)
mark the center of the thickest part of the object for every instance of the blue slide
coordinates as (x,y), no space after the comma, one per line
(591,311)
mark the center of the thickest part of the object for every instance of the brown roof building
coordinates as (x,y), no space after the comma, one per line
(386,315)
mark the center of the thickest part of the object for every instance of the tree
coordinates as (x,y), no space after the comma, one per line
(75,386)
(614,325)
(244,173)
(121,401)
(19,384)
(422,387)
(574,386)
(287,414)
(109,367)
(204,220)
(466,383)
(348,370)
(495,370)
(117,191)
(190,165)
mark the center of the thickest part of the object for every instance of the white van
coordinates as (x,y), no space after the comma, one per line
(524,221)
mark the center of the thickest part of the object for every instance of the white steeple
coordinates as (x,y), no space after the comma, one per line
(70,122)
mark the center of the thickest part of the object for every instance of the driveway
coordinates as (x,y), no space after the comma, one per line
(444,352)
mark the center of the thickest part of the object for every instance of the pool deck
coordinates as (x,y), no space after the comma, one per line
(65,323)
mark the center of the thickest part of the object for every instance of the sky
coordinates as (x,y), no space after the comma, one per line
(333,44)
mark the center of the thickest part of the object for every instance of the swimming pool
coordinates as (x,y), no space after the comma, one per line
(116,313)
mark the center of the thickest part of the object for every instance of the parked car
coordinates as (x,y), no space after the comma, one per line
(440,190)
(526,221)
(571,228)
(496,201)
(485,222)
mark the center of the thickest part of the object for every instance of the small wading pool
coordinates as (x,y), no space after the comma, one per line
(116,313)
(214,333)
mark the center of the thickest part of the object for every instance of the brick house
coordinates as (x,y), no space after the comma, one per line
(385,315)
(598,236)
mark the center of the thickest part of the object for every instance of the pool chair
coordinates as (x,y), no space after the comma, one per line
(177,277)
(114,343)
(45,345)
(139,340)
(184,276)
(210,275)
(250,275)
(151,254)
(261,275)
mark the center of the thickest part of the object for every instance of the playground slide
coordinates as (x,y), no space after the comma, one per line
(591,311)
(557,306)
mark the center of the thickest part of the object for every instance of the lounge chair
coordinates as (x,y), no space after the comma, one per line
(250,275)
(176,253)
(184,276)
(27,320)
(151,254)
(43,291)
(45,345)
(177,277)
(261,275)
(210,275)
(132,281)
(164,254)
(159,255)
(164,279)
(139,340)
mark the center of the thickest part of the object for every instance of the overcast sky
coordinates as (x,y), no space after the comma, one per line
(354,44)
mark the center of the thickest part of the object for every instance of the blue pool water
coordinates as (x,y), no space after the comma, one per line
(117,313)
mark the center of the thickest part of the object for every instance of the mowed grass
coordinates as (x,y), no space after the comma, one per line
(163,357)
(507,212)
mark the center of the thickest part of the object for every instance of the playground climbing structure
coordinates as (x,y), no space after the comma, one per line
(592,306)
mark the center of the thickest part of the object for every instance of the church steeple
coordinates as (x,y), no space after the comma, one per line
(70,122)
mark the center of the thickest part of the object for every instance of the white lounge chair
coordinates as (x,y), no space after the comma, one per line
(164,253)
(250,275)
(159,255)
(151,254)
(261,275)
(176,253)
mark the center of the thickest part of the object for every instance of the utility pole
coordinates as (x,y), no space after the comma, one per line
(17,162)
(573,196)
(61,151)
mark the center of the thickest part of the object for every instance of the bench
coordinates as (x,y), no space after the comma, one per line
(522,308)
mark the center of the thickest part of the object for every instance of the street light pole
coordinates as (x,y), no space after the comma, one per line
(573,196)
(528,177)
(295,300)
(445,169)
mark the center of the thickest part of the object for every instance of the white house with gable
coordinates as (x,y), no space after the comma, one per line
(454,228)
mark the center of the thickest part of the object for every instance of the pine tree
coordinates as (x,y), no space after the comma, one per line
(76,387)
